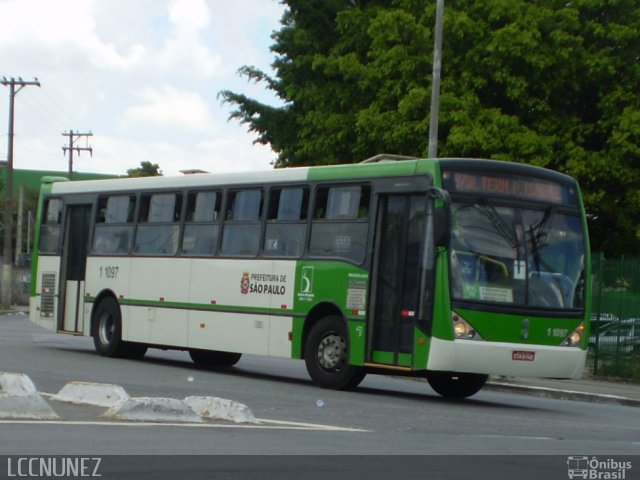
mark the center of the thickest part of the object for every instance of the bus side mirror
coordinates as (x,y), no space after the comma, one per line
(441,217)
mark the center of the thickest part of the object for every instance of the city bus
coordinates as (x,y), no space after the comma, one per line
(447,269)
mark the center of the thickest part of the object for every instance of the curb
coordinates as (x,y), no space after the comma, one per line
(562,394)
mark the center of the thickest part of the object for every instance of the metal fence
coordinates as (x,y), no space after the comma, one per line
(614,345)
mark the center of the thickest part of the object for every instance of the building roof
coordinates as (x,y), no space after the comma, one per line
(31,179)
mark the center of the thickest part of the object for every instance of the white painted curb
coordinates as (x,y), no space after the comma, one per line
(88,393)
(147,409)
(19,399)
(221,409)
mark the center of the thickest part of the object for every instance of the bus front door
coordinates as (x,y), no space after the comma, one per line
(73,263)
(396,273)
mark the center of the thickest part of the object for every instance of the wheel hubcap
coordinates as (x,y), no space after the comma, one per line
(106,329)
(331,351)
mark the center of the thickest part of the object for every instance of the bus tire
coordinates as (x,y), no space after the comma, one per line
(456,385)
(107,334)
(211,358)
(326,355)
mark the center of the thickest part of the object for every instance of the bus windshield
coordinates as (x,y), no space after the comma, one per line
(521,257)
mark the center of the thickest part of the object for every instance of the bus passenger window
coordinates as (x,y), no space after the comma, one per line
(50,228)
(340,224)
(201,228)
(114,225)
(286,222)
(158,228)
(241,233)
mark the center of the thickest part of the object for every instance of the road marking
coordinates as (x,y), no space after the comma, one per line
(275,425)
(312,426)
(520,437)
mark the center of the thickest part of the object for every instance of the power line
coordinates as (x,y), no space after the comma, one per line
(44,113)
(39,151)
(70,118)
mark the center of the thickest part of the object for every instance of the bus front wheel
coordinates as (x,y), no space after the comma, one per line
(107,334)
(210,358)
(456,385)
(326,356)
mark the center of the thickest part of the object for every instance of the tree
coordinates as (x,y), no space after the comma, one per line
(549,83)
(146,169)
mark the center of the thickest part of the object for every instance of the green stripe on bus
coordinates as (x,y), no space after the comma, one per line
(360,170)
(274,312)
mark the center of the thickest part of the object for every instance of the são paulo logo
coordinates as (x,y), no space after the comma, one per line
(244,283)
(263,284)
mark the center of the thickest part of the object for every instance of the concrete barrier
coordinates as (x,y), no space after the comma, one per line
(148,409)
(221,409)
(16,384)
(88,393)
(19,399)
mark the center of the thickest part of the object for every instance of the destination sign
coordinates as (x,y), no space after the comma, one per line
(513,185)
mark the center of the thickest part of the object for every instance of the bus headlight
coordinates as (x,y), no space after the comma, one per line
(575,338)
(462,329)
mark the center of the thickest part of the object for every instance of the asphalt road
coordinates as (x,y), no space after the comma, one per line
(384,416)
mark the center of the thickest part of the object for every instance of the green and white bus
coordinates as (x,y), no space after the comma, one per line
(449,269)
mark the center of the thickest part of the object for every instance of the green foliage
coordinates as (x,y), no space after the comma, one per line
(146,169)
(549,83)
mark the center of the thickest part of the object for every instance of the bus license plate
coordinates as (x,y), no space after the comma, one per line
(523,356)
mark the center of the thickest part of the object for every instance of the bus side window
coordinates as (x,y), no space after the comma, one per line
(201,228)
(158,224)
(340,223)
(114,225)
(286,222)
(241,233)
(51,224)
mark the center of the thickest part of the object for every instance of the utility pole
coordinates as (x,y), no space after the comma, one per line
(71,148)
(435,81)
(7,270)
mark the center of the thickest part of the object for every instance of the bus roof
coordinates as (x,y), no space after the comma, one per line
(400,167)
(279,175)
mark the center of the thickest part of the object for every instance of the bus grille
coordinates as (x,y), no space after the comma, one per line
(47,296)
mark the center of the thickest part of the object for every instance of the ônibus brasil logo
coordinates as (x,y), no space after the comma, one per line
(593,468)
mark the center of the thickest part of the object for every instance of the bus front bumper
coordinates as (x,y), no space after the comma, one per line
(512,359)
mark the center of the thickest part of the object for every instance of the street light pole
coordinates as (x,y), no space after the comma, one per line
(435,81)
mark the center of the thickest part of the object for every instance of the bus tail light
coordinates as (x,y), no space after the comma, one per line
(575,339)
(462,329)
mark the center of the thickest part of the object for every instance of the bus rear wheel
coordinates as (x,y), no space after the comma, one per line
(456,385)
(107,333)
(210,358)
(326,356)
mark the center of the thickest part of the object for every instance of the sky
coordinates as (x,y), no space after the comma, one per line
(142,76)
